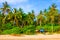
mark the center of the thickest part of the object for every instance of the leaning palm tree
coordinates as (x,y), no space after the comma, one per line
(15,17)
(17,14)
(6,8)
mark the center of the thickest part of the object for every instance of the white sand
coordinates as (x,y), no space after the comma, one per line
(31,37)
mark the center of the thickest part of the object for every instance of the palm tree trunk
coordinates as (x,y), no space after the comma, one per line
(40,22)
(52,26)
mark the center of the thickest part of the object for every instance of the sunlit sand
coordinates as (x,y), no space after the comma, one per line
(31,37)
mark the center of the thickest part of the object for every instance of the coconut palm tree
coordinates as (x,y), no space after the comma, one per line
(52,13)
(40,18)
(6,8)
(21,17)
(59,19)
(15,16)
(0,18)
(45,16)
(31,17)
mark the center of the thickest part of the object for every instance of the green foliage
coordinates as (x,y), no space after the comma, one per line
(29,29)
(38,27)
(15,30)
(16,21)
(56,28)
(48,28)
(7,26)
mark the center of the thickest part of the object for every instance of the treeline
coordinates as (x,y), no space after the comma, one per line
(16,21)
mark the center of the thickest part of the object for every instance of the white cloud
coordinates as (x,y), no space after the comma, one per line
(29,8)
(13,1)
(26,8)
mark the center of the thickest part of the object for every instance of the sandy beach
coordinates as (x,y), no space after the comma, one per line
(31,37)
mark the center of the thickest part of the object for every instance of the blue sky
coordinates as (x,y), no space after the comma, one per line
(28,5)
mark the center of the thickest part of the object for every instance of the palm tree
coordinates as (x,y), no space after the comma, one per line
(40,18)
(59,19)
(15,17)
(21,17)
(31,17)
(45,16)
(9,17)
(52,13)
(0,19)
(6,8)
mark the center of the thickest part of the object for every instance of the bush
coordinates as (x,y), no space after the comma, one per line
(48,28)
(38,27)
(45,27)
(56,28)
(6,26)
(15,30)
(29,29)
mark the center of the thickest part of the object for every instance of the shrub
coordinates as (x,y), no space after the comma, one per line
(6,26)
(45,27)
(48,28)
(56,28)
(15,30)
(29,29)
(38,27)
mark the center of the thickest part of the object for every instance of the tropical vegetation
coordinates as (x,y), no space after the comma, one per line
(15,21)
